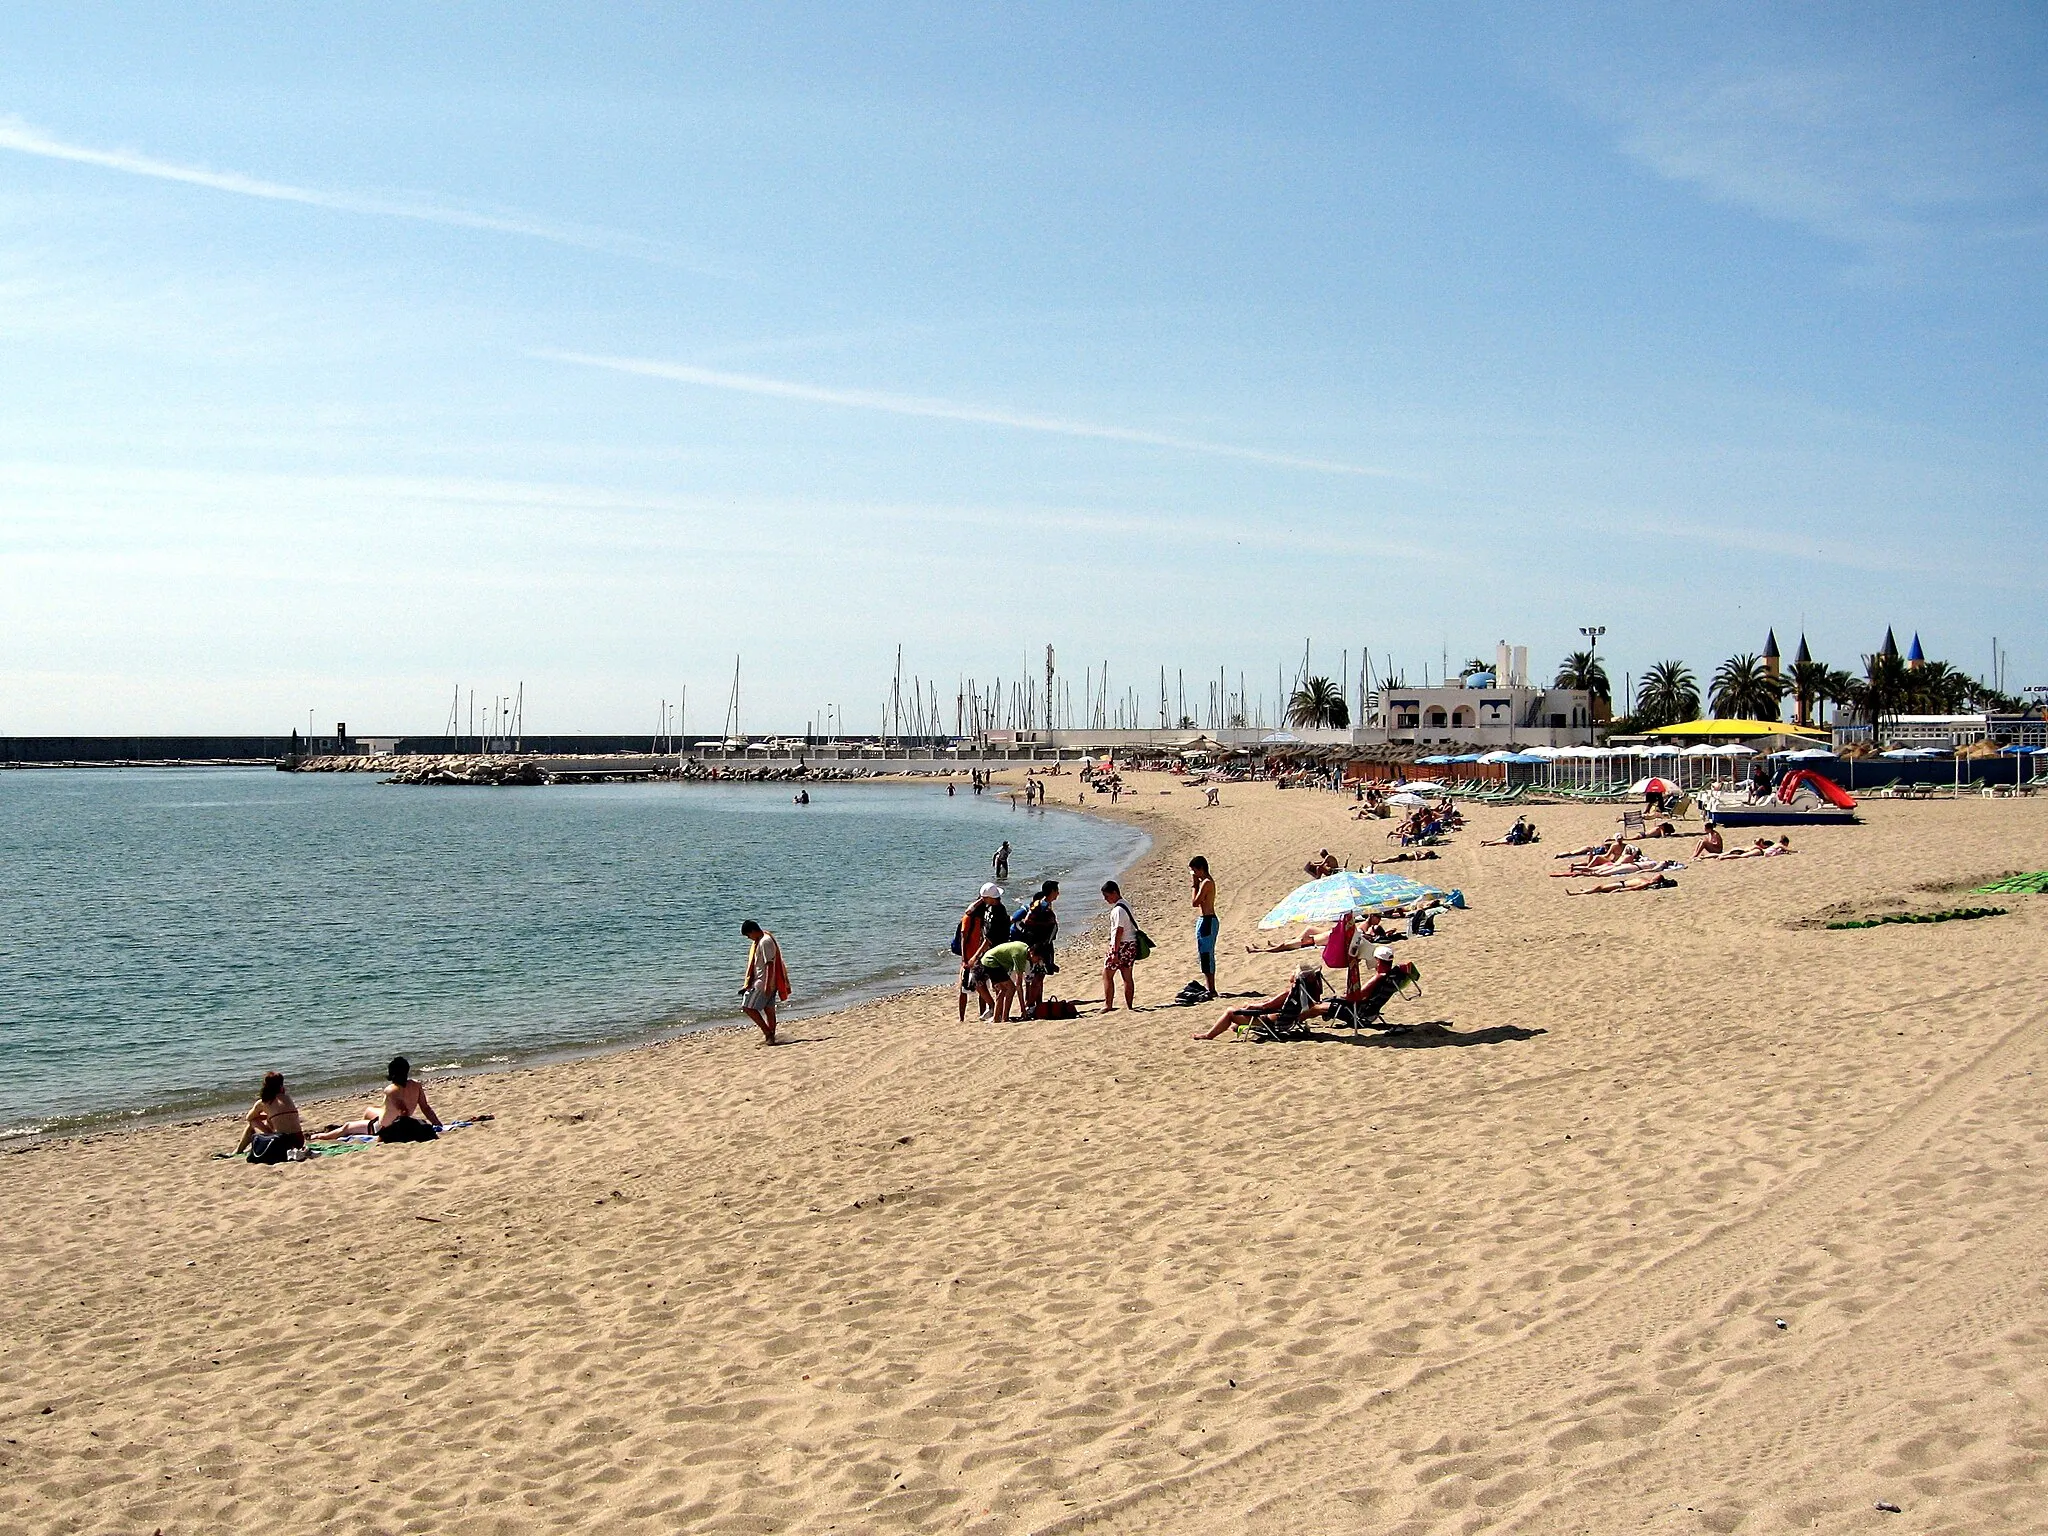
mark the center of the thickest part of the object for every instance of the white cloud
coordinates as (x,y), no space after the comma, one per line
(946,410)
(23,139)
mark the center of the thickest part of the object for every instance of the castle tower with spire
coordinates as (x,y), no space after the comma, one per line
(1890,647)
(1770,656)
(1915,657)
(1802,702)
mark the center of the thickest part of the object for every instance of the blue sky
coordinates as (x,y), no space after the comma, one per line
(354,352)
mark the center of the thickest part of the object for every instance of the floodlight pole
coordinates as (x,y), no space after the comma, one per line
(1592,632)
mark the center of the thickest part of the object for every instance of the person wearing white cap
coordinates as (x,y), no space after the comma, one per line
(984,924)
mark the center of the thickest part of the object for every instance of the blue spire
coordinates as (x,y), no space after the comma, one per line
(1916,654)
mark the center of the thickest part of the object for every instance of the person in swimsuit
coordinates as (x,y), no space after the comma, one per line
(1002,862)
(1207,926)
(1709,844)
(407,1116)
(275,1118)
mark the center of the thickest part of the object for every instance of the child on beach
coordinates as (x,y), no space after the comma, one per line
(1207,926)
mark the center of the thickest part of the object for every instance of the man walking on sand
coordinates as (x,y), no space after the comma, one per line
(1206,924)
(1123,949)
(767,980)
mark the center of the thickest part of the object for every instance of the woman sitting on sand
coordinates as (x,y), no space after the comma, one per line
(273,1129)
(407,1115)
(1709,846)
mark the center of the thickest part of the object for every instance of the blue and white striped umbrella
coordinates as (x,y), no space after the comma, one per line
(1327,899)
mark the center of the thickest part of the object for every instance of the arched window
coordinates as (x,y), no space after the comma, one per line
(1462,715)
(1436,718)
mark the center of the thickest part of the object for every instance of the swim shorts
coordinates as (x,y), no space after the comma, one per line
(1205,935)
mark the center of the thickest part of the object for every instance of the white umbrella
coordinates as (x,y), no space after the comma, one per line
(1653,786)
(1405,798)
(1497,757)
(1737,751)
(1702,750)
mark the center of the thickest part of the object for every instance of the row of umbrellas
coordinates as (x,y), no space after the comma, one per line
(1560,754)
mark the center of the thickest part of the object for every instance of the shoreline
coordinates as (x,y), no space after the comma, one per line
(346,1098)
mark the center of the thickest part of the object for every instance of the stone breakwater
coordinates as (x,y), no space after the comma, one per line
(499,770)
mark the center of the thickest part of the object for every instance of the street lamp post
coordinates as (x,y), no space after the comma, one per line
(1592,632)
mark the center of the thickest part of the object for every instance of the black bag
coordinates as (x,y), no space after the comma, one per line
(1057,1008)
(271,1148)
(406,1128)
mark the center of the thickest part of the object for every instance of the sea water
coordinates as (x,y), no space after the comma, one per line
(168,935)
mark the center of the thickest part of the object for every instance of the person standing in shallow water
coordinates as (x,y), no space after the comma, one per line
(767,980)
(1002,862)
(1206,924)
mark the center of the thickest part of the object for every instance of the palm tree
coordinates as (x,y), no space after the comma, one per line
(1839,689)
(1809,688)
(1582,670)
(1318,701)
(1885,689)
(1941,689)
(1744,690)
(1668,694)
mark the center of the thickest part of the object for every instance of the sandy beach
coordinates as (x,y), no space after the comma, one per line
(1686,1213)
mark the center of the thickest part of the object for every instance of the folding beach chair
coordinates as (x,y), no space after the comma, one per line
(1365,1011)
(1632,824)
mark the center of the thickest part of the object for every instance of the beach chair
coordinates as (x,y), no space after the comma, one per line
(1365,1012)
(1632,824)
(1289,1021)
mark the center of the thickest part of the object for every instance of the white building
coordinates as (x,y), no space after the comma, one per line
(1483,709)
(1478,714)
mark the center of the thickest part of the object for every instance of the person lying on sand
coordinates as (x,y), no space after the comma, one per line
(1406,858)
(1302,994)
(1763,848)
(1610,849)
(1662,829)
(1646,882)
(1601,863)
(1635,866)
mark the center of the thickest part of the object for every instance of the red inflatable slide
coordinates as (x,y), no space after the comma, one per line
(1821,785)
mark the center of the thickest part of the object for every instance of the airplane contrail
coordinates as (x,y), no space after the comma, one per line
(946,410)
(23,139)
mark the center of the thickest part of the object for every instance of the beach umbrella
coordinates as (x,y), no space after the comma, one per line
(1439,758)
(1406,797)
(1327,899)
(2018,749)
(1653,787)
(1804,754)
(1735,751)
